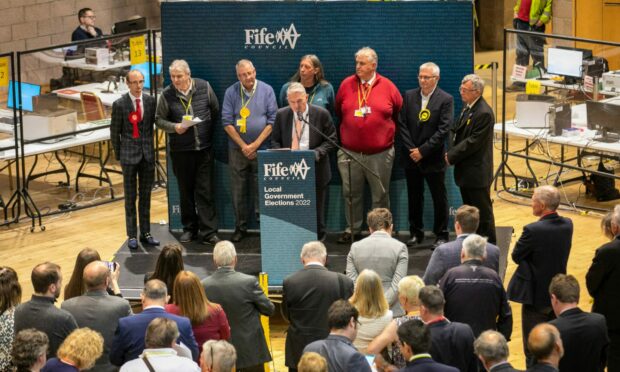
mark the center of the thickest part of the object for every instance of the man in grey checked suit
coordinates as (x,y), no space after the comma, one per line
(97,310)
(131,133)
(380,252)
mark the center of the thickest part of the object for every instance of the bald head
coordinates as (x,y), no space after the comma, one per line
(545,344)
(96,275)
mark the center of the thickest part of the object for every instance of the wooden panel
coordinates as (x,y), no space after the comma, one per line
(611,32)
(589,19)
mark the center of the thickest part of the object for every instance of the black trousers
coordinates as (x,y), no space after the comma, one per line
(480,198)
(613,351)
(528,45)
(194,172)
(140,176)
(415,192)
(530,317)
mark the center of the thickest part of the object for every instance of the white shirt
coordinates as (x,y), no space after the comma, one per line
(304,141)
(425,99)
(133,100)
(162,360)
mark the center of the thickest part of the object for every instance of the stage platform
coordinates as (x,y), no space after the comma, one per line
(199,258)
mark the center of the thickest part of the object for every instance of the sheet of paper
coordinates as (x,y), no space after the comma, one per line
(190,123)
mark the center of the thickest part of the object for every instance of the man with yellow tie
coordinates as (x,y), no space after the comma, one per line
(248,113)
(297,127)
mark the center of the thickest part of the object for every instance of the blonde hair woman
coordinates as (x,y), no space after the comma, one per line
(78,351)
(370,302)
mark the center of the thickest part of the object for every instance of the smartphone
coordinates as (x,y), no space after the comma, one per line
(111,265)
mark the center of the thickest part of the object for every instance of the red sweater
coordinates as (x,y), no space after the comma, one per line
(215,327)
(374,132)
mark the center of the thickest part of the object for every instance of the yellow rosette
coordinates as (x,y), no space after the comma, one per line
(424,115)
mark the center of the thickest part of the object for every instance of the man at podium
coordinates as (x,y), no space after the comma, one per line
(301,126)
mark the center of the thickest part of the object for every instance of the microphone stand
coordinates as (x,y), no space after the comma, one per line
(348,161)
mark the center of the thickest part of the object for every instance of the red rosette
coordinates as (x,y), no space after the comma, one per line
(134,119)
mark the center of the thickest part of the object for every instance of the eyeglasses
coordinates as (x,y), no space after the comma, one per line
(421,77)
(463,89)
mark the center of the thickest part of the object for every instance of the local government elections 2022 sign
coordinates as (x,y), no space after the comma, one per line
(287,200)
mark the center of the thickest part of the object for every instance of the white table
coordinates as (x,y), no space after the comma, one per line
(82,65)
(107,99)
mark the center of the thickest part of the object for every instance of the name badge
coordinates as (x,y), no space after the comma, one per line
(241,123)
(366,110)
(359,113)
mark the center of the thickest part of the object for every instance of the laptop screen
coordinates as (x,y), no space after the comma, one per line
(29,91)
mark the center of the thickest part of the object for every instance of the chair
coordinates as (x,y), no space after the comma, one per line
(91,106)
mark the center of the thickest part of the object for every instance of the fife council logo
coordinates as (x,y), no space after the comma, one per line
(279,171)
(261,38)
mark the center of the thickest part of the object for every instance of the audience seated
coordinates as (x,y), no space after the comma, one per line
(448,255)
(10,297)
(218,356)
(337,348)
(128,341)
(160,352)
(545,345)
(408,290)
(415,344)
(169,264)
(29,350)
(474,294)
(380,252)
(243,301)
(78,352)
(97,310)
(584,335)
(312,362)
(374,314)
(76,286)
(209,322)
(40,312)
(492,350)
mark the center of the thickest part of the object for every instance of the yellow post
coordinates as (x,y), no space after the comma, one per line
(263,281)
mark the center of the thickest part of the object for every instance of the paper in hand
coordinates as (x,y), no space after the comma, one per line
(186,123)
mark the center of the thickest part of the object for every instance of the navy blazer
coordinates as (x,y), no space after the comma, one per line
(128,341)
(427,365)
(127,149)
(603,282)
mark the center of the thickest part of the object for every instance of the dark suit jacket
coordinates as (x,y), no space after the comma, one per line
(128,341)
(603,282)
(472,150)
(584,336)
(281,137)
(545,246)
(131,150)
(243,302)
(541,367)
(340,354)
(428,136)
(306,296)
(452,343)
(427,365)
(505,367)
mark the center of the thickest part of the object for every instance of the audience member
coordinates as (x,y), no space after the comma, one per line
(584,335)
(474,294)
(40,312)
(448,255)
(160,350)
(128,341)
(545,345)
(603,282)
(243,301)
(541,252)
(78,352)
(408,290)
(76,286)
(338,347)
(86,30)
(491,348)
(606,225)
(415,344)
(218,356)
(10,297)
(306,296)
(209,322)
(381,253)
(97,310)
(311,75)
(169,264)
(312,362)
(29,350)
(374,313)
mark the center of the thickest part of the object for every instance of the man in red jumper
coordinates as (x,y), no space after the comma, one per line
(367,105)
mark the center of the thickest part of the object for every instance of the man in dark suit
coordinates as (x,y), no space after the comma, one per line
(296,127)
(542,251)
(243,302)
(472,153)
(545,344)
(423,126)
(584,335)
(306,297)
(492,350)
(603,282)
(129,342)
(415,344)
(131,133)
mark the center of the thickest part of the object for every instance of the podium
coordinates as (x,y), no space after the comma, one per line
(287,204)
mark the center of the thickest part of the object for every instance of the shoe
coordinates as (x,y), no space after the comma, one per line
(132,243)
(515,87)
(415,240)
(148,239)
(345,238)
(187,237)
(238,235)
(212,240)
(438,242)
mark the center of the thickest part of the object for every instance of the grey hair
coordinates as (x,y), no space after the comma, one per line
(224,253)
(295,88)
(223,353)
(314,249)
(155,289)
(492,347)
(475,246)
(180,65)
(432,66)
(549,196)
(244,62)
(369,53)
(615,218)
(476,81)
(409,287)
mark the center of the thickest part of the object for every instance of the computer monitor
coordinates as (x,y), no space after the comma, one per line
(130,25)
(604,116)
(29,91)
(144,69)
(565,62)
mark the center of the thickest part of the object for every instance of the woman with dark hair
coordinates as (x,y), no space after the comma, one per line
(169,264)
(310,74)
(76,287)
(209,322)
(10,297)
